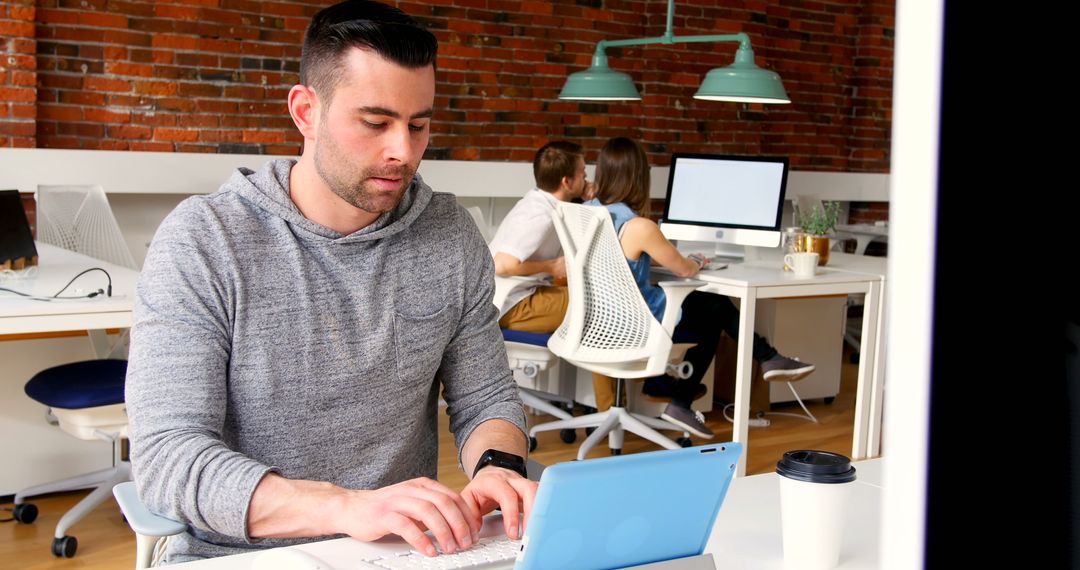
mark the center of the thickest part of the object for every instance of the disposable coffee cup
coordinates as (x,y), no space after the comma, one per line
(814,490)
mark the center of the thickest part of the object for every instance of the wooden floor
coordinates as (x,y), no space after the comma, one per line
(106,542)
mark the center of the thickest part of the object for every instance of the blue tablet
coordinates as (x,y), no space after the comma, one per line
(627,510)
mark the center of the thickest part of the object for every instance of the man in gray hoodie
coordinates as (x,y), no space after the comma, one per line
(293,330)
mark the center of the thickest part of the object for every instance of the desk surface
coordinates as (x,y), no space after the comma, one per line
(55,267)
(746,534)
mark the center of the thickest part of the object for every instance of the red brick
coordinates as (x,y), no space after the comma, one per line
(129,132)
(100,115)
(105,84)
(166,134)
(21,94)
(263,137)
(130,69)
(155,88)
(102,20)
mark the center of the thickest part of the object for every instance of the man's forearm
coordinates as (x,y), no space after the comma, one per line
(282,508)
(492,434)
(509,266)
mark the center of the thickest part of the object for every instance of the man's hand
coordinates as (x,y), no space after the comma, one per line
(497,487)
(407,510)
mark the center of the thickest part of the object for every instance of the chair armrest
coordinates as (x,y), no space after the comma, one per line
(676,292)
(139,518)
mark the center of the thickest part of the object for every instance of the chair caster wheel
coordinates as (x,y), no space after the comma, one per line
(64,547)
(829,399)
(616,452)
(589,430)
(532,444)
(567,435)
(684,442)
(25,513)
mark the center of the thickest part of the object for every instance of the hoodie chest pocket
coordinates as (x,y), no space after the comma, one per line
(419,342)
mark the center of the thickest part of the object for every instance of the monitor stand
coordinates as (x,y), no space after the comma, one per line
(729,252)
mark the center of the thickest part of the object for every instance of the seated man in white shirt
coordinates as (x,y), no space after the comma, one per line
(526,243)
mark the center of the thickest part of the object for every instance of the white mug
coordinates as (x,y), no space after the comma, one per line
(804,264)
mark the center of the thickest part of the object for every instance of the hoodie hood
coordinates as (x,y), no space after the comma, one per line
(268,189)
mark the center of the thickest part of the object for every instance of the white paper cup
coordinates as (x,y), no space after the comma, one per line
(814,491)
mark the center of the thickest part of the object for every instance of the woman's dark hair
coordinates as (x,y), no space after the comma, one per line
(622,175)
(365,24)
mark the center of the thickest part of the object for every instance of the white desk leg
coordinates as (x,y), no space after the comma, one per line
(878,392)
(867,357)
(744,365)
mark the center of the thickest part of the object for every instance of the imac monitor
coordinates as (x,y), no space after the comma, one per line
(736,200)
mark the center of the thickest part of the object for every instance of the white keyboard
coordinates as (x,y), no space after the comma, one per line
(497,551)
(715,265)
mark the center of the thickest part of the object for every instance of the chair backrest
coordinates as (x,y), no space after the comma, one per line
(608,327)
(478,217)
(78,218)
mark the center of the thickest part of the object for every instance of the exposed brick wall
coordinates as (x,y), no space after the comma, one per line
(212,75)
(17,74)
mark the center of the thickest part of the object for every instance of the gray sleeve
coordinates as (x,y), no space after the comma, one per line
(475,375)
(177,381)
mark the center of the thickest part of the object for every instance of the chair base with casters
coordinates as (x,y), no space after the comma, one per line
(149,528)
(613,423)
(86,398)
(528,352)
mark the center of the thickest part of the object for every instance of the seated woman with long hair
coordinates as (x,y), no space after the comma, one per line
(622,186)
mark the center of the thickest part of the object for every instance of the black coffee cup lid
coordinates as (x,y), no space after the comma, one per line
(815,467)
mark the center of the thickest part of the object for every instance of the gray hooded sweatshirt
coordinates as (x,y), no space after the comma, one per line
(265,342)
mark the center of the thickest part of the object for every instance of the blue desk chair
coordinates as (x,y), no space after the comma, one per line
(87,400)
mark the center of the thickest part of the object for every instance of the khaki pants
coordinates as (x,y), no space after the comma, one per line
(543,312)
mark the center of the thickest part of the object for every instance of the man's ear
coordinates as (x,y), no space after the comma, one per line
(304,107)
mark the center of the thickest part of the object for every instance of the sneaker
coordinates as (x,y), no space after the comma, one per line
(786,369)
(663,387)
(690,420)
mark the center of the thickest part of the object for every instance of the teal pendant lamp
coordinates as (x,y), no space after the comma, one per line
(742,81)
(600,83)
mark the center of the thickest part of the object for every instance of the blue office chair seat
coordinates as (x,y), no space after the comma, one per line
(535,339)
(87,400)
(79,385)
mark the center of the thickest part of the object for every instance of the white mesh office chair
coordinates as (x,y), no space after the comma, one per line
(608,327)
(78,218)
(85,398)
(525,351)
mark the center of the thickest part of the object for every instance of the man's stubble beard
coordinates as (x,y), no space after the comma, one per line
(355,189)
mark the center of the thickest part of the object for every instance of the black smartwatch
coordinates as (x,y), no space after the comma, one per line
(502,459)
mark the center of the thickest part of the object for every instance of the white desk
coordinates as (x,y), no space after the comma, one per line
(56,267)
(864,234)
(747,531)
(765,279)
(746,534)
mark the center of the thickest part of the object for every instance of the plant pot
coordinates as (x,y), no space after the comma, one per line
(819,245)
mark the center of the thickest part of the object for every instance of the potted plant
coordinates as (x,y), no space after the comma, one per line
(817,225)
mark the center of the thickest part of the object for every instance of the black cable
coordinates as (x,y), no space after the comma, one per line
(84,272)
(64,288)
(10,510)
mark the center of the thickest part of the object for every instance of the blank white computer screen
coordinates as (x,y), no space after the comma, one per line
(727,192)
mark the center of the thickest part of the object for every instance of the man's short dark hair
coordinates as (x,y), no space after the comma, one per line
(385,30)
(555,160)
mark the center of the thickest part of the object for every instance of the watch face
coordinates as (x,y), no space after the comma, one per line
(501,459)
